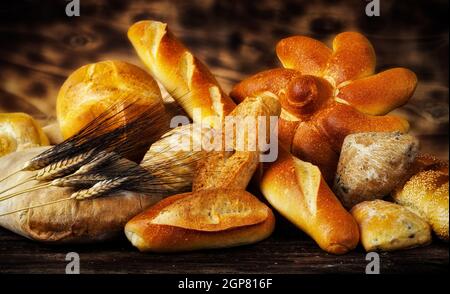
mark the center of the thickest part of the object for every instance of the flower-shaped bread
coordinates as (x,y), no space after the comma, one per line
(327,94)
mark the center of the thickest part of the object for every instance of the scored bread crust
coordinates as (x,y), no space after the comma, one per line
(298,191)
(148,236)
(185,77)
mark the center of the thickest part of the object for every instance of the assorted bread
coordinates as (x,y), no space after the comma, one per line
(338,150)
(327,94)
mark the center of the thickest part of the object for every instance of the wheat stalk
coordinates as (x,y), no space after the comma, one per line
(100,189)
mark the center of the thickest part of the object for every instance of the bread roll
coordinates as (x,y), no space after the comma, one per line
(297,190)
(72,221)
(371,165)
(185,77)
(387,226)
(19,131)
(328,94)
(426,194)
(380,93)
(95,88)
(204,219)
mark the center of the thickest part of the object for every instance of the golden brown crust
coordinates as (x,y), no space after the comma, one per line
(341,120)
(19,131)
(353,58)
(387,226)
(306,55)
(272,80)
(95,88)
(147,236)
(427,194)
(297,190)
(380,93)
(185,77)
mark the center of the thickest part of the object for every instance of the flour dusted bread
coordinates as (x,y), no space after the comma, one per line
(215,218)
(297,190)
(372,164)
(426,193)
(19,131)
(70,221)
(185,77)
(387,226)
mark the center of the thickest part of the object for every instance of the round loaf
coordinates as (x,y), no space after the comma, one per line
(95,88)
(19,131)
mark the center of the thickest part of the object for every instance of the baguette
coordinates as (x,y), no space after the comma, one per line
(185,77)
(386,226)
(297,190)
(204,219)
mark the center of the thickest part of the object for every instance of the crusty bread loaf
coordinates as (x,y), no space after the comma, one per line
(19,131)
(72,221)
(297,190)
(204,219)
(95,88)
(185,77)
(426,193)
(388,226)
(371,165)
(233,170)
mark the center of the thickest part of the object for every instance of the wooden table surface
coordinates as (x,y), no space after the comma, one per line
(40,46)
(287,251)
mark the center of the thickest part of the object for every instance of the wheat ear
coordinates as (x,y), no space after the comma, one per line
(99,189)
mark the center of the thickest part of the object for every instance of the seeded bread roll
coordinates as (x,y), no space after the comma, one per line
(386,226)
(371,165)
(19,131)
(426,193)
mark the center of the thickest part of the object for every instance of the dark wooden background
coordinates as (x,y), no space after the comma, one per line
(40,46)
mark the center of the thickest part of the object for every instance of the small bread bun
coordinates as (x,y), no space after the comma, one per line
(388,226)
(372,164)
(95,88)
(19,131)
(426,193)
(204,219)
